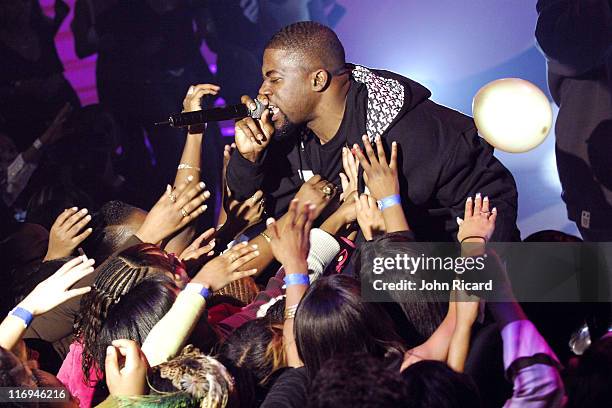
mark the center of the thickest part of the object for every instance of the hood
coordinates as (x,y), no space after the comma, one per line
(390,96)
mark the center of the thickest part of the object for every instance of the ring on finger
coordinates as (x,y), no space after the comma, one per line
(172,197)
(184,212)
(327,190)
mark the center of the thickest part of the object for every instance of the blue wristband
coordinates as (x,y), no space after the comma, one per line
(296,279)
(389,201)
(198,288)
(23,314)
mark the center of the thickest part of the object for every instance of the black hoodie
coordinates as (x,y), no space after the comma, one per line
(443,160)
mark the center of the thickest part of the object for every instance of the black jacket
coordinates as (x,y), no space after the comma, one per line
(576,37)
(442,159)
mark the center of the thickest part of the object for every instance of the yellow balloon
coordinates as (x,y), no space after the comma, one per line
(512,114)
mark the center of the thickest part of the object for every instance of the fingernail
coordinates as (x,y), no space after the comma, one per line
(84,211)
(256,253)
(394,143)
(84,258)
(110,350)
(486,198)
(204,207)
(74,208)
(494,209)
(364,137)
(252,106)
(201,184)
(469,199)
(212,244)
(269,221)
(207,194)
(459,221)
(254,246)
(88,217)
(478,196)
(90,229)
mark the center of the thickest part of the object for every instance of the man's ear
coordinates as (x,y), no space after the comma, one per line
(319,80)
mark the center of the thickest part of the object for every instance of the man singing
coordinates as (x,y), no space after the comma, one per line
(318,104)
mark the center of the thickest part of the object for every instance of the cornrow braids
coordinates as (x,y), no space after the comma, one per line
(313,41)
(116,277)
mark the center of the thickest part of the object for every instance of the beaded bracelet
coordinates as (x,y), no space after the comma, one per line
(389,201)
(290,311)
(185,166)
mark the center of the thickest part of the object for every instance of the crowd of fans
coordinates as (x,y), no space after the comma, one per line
(174,304)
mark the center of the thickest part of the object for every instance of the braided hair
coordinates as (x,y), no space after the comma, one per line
(131,293)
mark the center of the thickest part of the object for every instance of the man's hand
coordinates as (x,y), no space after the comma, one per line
(291,242)
(477,221)
(67,233)
(254,135)
(380,176)
(130,379)
(369,217)
(173,211)
(317,191)
(223,270)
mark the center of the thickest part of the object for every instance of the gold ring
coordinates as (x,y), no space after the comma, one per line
(327,190)
(184,212)
(172,197)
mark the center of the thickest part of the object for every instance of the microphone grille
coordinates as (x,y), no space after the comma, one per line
(258,111)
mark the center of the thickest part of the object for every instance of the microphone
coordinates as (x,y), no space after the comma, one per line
(239,111)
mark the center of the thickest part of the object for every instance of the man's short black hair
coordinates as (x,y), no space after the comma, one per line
(110,230)
(313,41)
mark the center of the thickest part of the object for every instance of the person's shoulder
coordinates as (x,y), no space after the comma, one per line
(443,117)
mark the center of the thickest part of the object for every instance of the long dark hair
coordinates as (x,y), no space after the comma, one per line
(132,292)
(422,310)
(332,319)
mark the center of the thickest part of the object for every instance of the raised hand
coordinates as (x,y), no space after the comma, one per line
(193,99)
(129,378)
(253,135)
(379,175)
(350,177)
(290,242)
(200,250)
(55,290)
(56,130)
(173,211)
(223,269)
(478,221)
(67,233)
(369,217)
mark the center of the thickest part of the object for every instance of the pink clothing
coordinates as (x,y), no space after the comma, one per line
(71,375)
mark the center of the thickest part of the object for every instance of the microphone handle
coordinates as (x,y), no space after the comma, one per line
(208,115)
